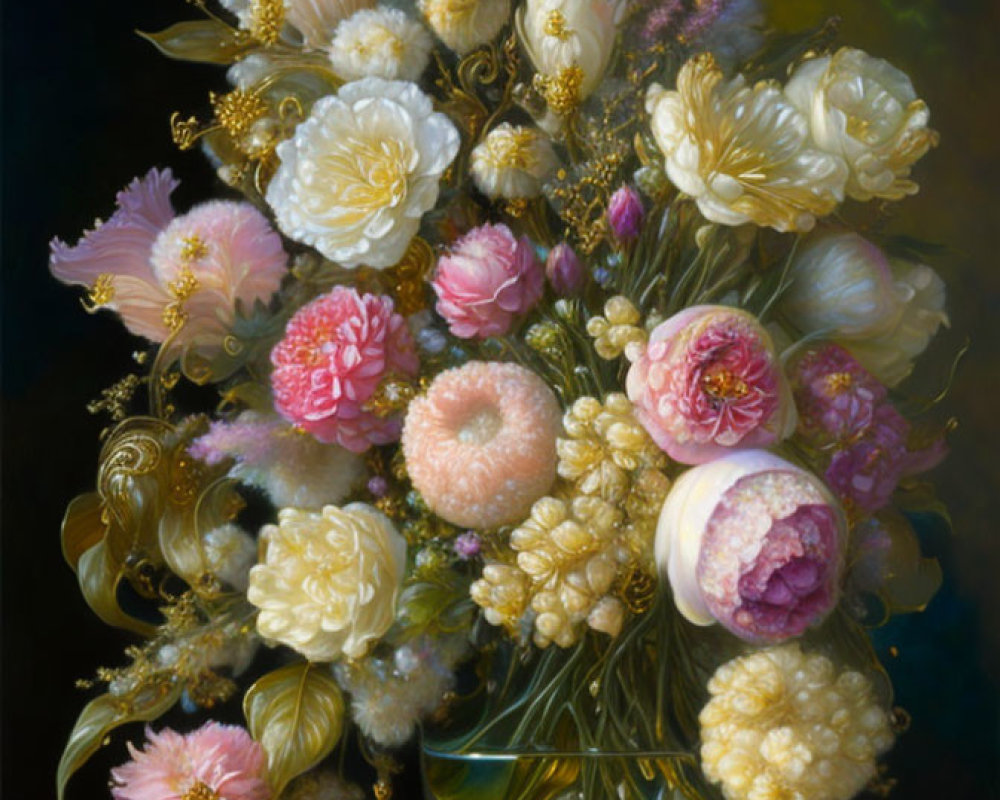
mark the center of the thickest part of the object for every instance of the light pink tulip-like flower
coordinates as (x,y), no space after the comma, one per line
(183,275)
(214,761)
(336,351)
(754,543)
(487,279)
(708,382)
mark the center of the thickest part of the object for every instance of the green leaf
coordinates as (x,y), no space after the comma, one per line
(99,580)
(102,715)
(296,713)
(82,527)
(209,41)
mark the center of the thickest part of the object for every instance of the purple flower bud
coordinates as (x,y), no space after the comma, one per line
(378,486)
(625,214)
(467,545)
(564,270)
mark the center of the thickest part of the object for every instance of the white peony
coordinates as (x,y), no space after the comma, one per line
(570,43)
(512,161)
(465,24)
(329,581)
(866,111)
(890,357)
(782,723)
(743,153)
(380,43)
(230,552)
(359,173)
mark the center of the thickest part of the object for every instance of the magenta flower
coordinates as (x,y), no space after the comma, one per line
(866,473)
(467,545)
(218,761)
(564,270)
(625,214)
(754,543)
(708,382)
(836,397)
(487,279)
(336,351)
(183,276)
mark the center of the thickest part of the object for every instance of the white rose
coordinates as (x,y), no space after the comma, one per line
(743,153)
(329,581)
(380,43)
(512,161)
(570,43)
(866,111)
(841,285)
(890,357)
(360,172)
(465,24)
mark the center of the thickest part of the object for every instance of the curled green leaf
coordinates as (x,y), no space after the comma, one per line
(296,713)
(208,41)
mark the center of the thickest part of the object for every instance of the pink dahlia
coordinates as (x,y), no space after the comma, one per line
(487,279)
(336,351)
(480,445)
(754,543)
(708,382)
(215,761)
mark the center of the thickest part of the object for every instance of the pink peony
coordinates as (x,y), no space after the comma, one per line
(217,761)
(487,279)
(336,351)
(708,382)
(753,542)
(480,445)
(163,274)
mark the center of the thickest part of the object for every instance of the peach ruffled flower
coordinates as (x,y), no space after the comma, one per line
(480,446)
(487,279)
(184,276)
(336,351)
(218,761)
(708,382)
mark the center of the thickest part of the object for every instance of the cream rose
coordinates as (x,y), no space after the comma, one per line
(465,24)
(329,580)
(380,43)
(866,111)
(512,161)
(570,43)
(360,172)
(743,153)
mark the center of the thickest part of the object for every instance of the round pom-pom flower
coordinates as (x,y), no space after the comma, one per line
(480,446)
(512,161)
(753,542)
(336,351)
(465,24)
(329,581)
(783,723)
(709,381)
(487,279)
(217,761)
(380,43)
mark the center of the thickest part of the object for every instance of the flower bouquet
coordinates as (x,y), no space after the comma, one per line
(533,388)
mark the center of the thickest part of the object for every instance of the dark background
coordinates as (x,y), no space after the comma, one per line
(85,108)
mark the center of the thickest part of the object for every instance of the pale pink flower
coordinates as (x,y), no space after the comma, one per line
(219,759)
(163,274)
(480,445)
(487,279)
(754,543)
(113,259)
(336,351)
(708,382)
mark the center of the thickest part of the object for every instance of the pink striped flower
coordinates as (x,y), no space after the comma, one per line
(219,761)
(487,279)
(336,351)
(708,382)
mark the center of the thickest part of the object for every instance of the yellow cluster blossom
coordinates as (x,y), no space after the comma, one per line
(617,329)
